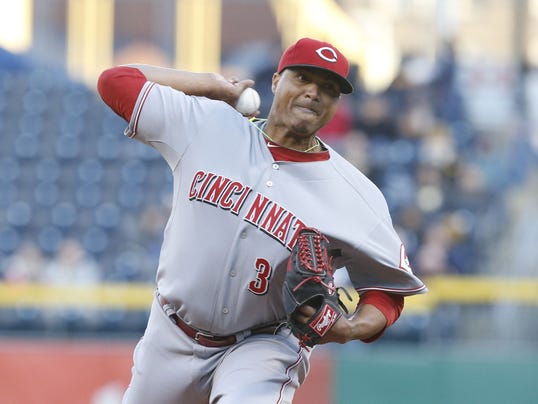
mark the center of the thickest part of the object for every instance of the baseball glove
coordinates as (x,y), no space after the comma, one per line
(309,280)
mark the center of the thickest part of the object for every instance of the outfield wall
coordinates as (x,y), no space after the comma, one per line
(97,372)
(455,375)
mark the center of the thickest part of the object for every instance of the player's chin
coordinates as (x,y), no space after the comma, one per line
(305,129)
(306,126)
(309,124)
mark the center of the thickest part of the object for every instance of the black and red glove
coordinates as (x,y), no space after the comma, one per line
(309,280)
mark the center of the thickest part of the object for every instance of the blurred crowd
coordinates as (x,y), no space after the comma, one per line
(81,204)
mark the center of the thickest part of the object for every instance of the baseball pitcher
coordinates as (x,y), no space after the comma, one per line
(263,213)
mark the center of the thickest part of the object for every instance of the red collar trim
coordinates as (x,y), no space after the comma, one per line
(281,153)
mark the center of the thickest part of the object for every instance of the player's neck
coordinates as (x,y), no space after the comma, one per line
(282,136)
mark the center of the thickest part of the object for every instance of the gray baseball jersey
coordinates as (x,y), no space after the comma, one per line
(236,213)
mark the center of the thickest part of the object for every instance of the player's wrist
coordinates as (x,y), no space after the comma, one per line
(369,322)
(216,87)
(344,331)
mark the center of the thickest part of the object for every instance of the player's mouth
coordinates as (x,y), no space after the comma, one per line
(306,110)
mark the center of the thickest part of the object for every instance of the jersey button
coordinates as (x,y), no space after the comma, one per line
(275,166)
(243,234)
(269,183)
(233,273)
(225,310)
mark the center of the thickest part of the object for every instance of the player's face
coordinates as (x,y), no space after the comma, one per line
(305,99)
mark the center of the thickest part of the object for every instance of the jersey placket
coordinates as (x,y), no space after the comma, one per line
(237,275)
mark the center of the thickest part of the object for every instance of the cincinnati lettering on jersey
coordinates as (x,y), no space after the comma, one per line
(262,212)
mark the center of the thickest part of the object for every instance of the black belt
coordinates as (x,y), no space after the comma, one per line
(206,339)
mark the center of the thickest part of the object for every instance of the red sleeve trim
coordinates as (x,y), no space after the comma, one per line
(119,88)
(390,304)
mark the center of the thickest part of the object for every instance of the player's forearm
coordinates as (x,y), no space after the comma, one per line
(210,85)
(367,323)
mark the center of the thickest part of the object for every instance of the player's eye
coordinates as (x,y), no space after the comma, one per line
(302,77)
(331,89)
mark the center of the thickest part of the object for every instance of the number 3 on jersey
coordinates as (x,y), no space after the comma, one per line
(260,285)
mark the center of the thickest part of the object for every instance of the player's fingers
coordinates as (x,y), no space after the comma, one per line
(304,313)
(233,89)
(242,84)
(254,115)
(307,310)
(300,318)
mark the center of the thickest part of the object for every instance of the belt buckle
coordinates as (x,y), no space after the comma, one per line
(202,335)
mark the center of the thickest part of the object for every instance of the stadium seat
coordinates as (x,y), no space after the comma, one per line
(64,215)
(90,171)
(95,240)
(47,169)
(27,146)
(9,239)
(34,101)
(46,194)
(49,238)
(19,213)
(10,168)
(31,123)
(130,196)
(8,195)
(71,125)
(88,195)
(107,215)
(109,147)
(67,147)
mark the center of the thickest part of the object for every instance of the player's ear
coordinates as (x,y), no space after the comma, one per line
(276,79)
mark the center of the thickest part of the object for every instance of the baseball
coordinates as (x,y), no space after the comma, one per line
(248,102)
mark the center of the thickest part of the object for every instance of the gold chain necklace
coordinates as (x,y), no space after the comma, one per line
(318,143)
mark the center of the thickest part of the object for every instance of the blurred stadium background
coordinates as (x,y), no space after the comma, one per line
(444,121)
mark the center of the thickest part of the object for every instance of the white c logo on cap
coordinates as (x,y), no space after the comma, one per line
(331,51)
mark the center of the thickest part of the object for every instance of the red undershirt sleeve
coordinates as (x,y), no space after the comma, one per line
(391,305)
(119,88)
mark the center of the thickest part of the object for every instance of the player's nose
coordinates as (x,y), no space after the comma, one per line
(313,90)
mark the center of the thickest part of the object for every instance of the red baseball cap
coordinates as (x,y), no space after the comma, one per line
(308,52)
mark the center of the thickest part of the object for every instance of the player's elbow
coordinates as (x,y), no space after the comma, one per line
(119,88)
(104,84)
